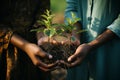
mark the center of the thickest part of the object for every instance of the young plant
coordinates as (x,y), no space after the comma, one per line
(50,29)
(70,26)
(58,32)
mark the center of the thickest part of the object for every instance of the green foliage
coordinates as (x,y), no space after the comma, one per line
(37,30)
(73,38)
(71,21)
(49,30)
(57,29)
(47,21)
(74,19)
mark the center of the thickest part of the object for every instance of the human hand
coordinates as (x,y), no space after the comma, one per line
(36,54)
(76,41)
(67,39)
(45,39)
(56,40)
(78,56)
(84,49)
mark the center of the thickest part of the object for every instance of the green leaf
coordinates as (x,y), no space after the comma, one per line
(68,20)
(44,16)
(59,31)
(47,12)
(40,22)
(37,30)
(73,38)
(53,29)
(50,32)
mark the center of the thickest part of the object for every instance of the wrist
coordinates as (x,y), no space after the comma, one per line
(93,44)
(19,42)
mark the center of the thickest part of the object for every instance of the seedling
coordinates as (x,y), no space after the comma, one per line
(50,29)
(58,32)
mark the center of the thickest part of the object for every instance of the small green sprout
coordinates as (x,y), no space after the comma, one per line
(57,29)
(49,29)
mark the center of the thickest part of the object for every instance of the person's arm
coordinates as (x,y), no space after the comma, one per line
(33,51)
(112,31)
(86,48)
(101,39)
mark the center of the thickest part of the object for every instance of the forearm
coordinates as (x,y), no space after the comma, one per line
(19,42)
(101,39)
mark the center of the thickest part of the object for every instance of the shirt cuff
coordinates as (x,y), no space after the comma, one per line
(115,26)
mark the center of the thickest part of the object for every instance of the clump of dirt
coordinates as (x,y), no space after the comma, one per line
(59,51)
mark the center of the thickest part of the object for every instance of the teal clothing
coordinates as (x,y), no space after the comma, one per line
(97,16)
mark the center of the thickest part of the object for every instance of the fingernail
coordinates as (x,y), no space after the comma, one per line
(62,42)
(50,56)
(69,59)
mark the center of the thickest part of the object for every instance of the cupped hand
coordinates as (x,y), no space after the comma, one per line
(78,56)
(76,41)
(36,54)
(62,41)
(46,39)
(67,39)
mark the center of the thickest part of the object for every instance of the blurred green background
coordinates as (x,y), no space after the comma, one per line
(58,6)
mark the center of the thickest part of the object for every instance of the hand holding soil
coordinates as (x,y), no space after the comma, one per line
(59,47)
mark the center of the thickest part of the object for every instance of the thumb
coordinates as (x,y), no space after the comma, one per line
(73,57)
(49,56)
(40,41)
(44,54)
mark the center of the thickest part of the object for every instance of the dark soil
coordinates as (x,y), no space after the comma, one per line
(59,52)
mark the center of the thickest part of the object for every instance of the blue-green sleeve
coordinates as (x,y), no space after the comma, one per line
(115,26)
(71,7)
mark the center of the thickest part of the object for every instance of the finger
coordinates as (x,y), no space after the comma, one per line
(73,57)
(37,62)
(52,64)
(42,41)
(62,42)
(76,62)
(48,70)
(76,42)
(66,64)
(72,64)
(54,42)
(46,66)
(65,42)
(44,69)
(43,54)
